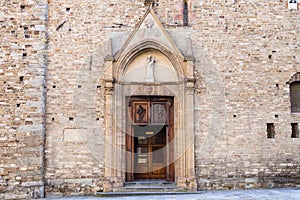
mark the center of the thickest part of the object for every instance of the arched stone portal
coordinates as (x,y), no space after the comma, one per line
(149,88)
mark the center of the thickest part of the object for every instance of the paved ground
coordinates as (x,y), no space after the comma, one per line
(272,194)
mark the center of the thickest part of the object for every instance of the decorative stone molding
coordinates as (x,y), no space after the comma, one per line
(149,65)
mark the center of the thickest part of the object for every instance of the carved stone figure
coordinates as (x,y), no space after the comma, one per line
(141,113)
(160,111)
(150,69)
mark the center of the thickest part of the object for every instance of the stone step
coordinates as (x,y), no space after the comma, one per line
(146,188)
(123,194)
(149,186)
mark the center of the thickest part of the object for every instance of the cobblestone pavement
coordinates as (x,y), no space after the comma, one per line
(271,194)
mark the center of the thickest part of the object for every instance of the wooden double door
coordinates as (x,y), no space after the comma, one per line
(149,139)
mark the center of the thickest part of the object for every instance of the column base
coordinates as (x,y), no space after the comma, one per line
(112,182)
(189,184)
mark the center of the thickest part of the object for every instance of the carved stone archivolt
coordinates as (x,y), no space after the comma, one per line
(150,65)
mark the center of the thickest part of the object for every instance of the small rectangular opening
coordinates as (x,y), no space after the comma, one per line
(270,130)
(185,13)
(295,130)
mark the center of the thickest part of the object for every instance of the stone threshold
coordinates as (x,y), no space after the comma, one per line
(146,187)
(124,194)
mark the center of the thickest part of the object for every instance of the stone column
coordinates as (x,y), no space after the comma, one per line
(189,138)
(113,174)
(189,124)
(108,135)
(119,116)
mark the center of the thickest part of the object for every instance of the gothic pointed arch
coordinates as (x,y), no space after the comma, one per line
(149,46)
(148,35)
(147,64)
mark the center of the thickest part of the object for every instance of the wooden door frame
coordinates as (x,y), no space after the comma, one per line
(129,143)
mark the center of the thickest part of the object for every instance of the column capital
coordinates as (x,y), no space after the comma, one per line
(190,83)
(108,86)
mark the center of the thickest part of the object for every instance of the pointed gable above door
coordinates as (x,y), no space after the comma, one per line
(149,29)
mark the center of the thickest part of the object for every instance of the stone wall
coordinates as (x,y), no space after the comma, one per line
(79,32)
(245,53)
(22,95)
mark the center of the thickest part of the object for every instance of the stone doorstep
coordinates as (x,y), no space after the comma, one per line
(149,184)
(140,188)
(124,194)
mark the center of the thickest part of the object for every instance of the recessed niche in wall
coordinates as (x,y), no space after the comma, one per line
(185,13)
(295,96)
(295,130)
(270,130)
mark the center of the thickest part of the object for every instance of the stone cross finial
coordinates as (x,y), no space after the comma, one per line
(149,3)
